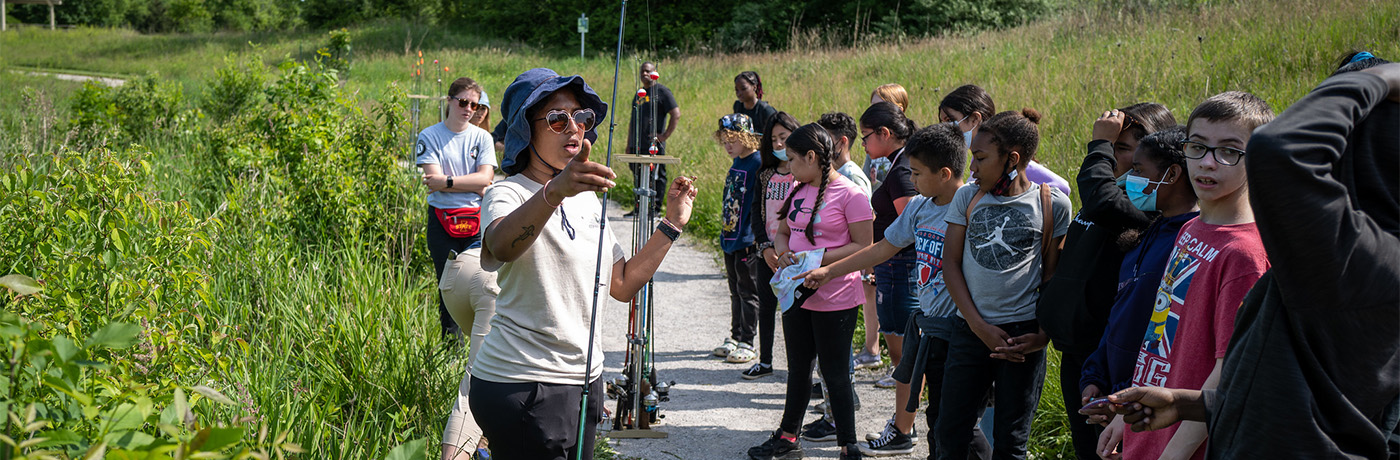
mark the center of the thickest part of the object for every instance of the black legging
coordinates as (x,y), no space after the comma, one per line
(767,312)
(826,337)
(439,244)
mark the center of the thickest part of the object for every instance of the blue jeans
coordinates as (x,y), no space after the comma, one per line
(895,294)
(968,374)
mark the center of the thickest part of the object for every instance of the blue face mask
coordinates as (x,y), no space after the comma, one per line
(1122,180)
(781,154)
(1136,185)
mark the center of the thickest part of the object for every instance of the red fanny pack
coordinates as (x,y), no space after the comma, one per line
(460,222)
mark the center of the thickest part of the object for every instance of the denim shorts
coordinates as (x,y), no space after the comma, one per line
(895,294)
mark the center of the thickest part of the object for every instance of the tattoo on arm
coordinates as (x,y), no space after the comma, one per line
(527,232)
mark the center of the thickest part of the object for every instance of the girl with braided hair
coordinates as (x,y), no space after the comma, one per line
(825,211)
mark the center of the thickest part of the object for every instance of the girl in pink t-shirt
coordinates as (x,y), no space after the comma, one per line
(828,211)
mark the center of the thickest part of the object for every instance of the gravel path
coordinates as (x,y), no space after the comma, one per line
(713,412)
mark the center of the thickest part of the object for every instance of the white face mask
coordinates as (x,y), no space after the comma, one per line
(967,135)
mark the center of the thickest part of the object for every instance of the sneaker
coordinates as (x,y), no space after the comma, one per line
(822,407)
(887,381)
(743,354)
(865,360)
(776,448)
(851,453)
(819,431)
(724,350)
(817,391)
(889,430)
(892,443)
(759,370)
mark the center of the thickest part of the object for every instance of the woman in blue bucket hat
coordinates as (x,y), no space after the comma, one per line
(543,237)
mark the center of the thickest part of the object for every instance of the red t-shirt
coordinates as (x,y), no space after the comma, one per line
(1211,269)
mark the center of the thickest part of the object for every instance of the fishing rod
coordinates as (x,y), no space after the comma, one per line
(602,231)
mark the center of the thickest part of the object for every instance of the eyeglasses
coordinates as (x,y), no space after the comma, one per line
(559,119)
(1224,155)
(466,103)
(867,136)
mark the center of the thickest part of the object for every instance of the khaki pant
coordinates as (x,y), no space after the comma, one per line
(470,296)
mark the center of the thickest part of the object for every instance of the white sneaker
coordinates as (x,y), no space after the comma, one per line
(887,381)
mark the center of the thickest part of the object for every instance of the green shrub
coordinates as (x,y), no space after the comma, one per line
(142,109)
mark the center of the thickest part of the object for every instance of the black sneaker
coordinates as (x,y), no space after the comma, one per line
(819,431)
(851,453)
(817,391)
(892,443)
(776,448)
(758,370)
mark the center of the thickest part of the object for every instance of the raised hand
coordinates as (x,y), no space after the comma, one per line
(680,200)
(1109,125)
(580,175)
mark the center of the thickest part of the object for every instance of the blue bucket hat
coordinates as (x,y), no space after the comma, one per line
(531,88)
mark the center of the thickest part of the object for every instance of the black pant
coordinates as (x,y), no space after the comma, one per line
(1085,436)
(439,244)
(535,421)
(767,311)
(968,374)
(933,381)
(742,267)
(826,337)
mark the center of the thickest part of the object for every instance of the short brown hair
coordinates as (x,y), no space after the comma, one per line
(1248,110)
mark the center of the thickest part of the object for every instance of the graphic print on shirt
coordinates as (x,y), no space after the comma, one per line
(732,211)
(1152,363)
(1001,237)
(798,210)
(775,192)
(928,247)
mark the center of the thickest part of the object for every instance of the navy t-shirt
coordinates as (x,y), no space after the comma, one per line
(649,116)
(897,184)
(735,231)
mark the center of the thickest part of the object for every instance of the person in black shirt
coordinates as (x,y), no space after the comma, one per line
(654,117)
(748,90)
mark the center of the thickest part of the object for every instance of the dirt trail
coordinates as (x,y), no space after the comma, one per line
(713,412)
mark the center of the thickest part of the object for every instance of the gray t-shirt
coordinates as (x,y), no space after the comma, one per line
(1002,251)
(458,154)
(852,171)
(542,313)
(924,225)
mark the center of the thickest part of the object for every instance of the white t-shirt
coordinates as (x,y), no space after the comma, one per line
(543,311)
(458,154)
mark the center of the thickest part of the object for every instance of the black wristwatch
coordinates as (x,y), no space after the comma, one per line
(449,181)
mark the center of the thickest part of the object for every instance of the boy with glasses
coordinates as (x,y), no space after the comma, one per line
(1216,259)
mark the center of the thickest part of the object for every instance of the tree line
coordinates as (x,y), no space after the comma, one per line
(662,26)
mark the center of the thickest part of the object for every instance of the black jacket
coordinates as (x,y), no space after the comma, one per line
(1315,357)
(1074,306)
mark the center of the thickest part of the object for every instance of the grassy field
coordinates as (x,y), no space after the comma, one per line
(328,339)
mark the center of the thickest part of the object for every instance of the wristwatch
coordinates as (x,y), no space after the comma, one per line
(449,181)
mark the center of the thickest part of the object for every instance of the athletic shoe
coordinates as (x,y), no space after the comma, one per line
(776,448)
(819,430)
(889,430)
(851,454)
(886,382)
(817,391)
(822,407)
(743,354)
(759,370)
(892,443)
(728,347)
(866,360)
